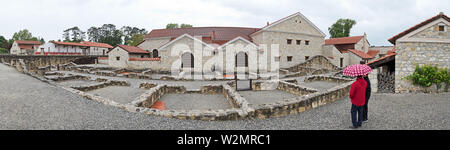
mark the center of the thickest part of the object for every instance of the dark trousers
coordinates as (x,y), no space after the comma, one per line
(365,110)
(357,112)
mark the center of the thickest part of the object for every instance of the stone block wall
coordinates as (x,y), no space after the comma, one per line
(410,54)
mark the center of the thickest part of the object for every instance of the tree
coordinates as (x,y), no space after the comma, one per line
(74,34)
(110,35)
(4,45)
(175,26)
(185,26)
(24,35)
(128,32)
(341,28)
(172,26)
(93,34)
(135,39)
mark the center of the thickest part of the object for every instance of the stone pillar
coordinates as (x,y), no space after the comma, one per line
(373,77)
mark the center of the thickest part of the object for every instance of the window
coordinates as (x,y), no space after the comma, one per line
(155,53)
(299,41)
(289,58)
(142,56)
(441,28)
(306,57)
(277,59)
(117,58)
(342,62)
(306,42)
(289,41)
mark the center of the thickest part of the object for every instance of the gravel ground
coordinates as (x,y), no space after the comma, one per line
(195,101)
(265,97)
(70,83)
(120,94)
(27,103)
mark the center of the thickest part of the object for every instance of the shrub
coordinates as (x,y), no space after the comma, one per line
(428,75)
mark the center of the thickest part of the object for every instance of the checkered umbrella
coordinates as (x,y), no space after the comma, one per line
(357,70)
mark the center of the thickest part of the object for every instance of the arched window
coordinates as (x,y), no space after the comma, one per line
(241,59)
(155,53)
(187,60)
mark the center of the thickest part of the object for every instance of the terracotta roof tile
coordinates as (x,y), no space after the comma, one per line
(28,42)
(360,54)
(95,44)
(394,38)
(133,49)
(343,40)
(144,59)
(373,53)
(382,58)
(69,43)
(218,35)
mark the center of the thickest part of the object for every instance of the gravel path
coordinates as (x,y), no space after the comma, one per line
(265,97)
(120,94)
(195,101)
(27,103)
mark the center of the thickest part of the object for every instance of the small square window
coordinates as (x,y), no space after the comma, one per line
(306,42)
(277,59)
(299,41)
(441,28)
(289,41)
(289,58)
(117,58)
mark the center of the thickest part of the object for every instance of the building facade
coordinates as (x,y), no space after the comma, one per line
(425,43)
(249,49)
(24,47)
(71,48)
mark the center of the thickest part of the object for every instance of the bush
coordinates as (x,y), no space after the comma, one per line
(3,51)
(428,75)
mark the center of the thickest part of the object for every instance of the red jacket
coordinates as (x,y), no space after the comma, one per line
(358,92)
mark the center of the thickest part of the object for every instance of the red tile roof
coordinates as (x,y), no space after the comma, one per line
(28,42)
(360,54)
(133,49)
(144,59)
(218,35)
(382,58)
(69,43)
(343,40)
(373,53)
(95,44)
(441,15)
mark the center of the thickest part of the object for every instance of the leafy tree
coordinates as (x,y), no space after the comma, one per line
(172,26)
(4,45)
(129,32)
(185,26)
(135,39)
(74,34)
(175,26)
(110,35)
(94,34)
(341,28)
(24,35)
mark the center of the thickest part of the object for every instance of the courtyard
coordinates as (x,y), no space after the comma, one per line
(28,103)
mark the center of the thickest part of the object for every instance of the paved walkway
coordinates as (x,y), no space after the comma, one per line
(27,103)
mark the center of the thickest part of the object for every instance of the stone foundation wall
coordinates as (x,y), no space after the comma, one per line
(327,78)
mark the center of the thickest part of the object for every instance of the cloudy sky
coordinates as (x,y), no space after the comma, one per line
(380,19)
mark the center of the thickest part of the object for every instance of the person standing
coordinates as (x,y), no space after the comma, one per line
(357,95)
(367,97)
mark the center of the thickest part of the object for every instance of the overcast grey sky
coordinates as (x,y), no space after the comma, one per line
(380,19)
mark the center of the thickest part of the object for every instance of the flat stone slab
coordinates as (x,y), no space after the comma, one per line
(76,82)
(320,85)
(195,101)
(120,94)
(265,97)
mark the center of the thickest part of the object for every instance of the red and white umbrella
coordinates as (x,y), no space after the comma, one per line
(357,70)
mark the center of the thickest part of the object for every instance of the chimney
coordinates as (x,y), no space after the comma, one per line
(267,23)
(213,34)
(441,13)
